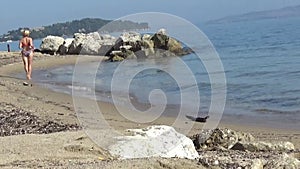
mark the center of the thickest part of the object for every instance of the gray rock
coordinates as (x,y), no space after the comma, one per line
(132,39)
(164,42)
(160,41)
(162,31)
(146,37)
(107,43)
(62,50)
(125,52)
(76,45)
(147,45)
(175,46)
(220,139)
(50,44)
(91,43)
(128,37)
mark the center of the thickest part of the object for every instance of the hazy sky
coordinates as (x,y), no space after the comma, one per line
(35,13)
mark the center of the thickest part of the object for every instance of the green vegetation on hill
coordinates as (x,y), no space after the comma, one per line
(86,25)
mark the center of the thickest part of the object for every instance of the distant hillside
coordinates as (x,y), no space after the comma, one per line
(86,25)
(270,14)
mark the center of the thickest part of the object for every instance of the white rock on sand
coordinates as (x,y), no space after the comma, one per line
(154,141)
(51,43)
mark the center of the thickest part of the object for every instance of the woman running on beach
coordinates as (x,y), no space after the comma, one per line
(26,44)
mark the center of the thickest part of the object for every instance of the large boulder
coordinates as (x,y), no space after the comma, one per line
(62,50)
(160,41)
(127,46)
(76,45)
(91,44)
(132,39)
(107,44)
(50,44)
(154,141)
(174,46)
(166,45)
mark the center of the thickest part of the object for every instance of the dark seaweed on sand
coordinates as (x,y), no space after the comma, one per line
(15,121)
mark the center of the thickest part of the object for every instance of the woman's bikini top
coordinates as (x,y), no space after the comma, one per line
(26,43)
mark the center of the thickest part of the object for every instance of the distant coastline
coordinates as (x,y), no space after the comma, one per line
(293,11)
(67,29)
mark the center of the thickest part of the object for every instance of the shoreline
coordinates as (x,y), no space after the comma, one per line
(48,61)
(279,121)
(58,107)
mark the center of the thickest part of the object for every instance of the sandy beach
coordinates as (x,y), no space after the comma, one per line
(71,147)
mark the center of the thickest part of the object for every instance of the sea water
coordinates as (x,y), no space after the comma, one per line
(14,45)
(261,62)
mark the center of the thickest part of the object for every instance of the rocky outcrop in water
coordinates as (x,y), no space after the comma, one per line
(130,45)
(147,46)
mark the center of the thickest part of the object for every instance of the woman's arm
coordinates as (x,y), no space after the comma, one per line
(31,43)
(20,44)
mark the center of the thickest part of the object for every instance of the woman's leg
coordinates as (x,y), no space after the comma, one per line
(25,61)
(30,57)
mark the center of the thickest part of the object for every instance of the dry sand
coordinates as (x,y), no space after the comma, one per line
(74,149)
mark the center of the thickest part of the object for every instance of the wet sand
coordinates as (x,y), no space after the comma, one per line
(74,149)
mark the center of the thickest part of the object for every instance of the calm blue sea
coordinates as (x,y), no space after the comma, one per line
(261,61)
(14,45)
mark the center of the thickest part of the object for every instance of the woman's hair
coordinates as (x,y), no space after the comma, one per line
(26,33)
